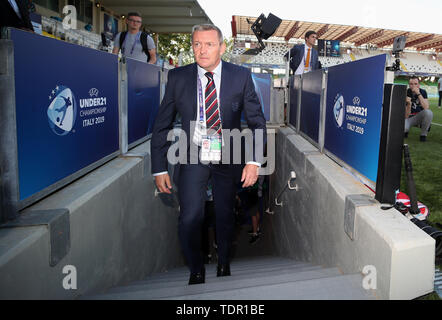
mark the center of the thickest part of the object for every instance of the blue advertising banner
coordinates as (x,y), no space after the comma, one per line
(329,48)
(66,109)
(335,48)
(143,89)
(295,84)
(311,103)
(354,112)
(263,85)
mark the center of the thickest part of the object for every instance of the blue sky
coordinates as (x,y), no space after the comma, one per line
(419,16)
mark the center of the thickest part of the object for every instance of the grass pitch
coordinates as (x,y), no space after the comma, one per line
(426,159)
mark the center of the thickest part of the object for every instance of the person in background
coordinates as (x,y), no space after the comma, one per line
(439,88)
(15,13)
(135,43)
(251,203)
(417,109)
(303,57)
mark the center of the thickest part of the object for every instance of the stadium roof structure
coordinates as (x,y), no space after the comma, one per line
(288,29)
(162,16)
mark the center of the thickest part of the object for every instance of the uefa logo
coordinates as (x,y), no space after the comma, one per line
(93,92)
(338,110)
(62,110)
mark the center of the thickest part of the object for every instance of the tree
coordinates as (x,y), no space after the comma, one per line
(178,46)
(227,56)
(171,45)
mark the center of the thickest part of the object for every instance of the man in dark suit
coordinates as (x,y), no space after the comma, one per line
(210,96)
(15,13)
(303,57)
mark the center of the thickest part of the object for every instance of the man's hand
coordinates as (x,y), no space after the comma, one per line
(153,56)
(415,90)
(163,183)
(407,107)
(249,175)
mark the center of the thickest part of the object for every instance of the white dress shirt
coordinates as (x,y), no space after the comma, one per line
(301,68)
(200,128)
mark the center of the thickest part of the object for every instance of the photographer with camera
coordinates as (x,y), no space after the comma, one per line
(417,109)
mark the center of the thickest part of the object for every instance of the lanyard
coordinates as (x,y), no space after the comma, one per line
(135,42)
(200,98)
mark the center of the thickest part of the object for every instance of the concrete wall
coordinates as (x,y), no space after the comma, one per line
(119,232)
(310,224)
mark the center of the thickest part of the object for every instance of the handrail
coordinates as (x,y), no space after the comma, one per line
(288,185)
(292,177)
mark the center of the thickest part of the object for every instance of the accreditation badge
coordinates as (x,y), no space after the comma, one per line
(211,148)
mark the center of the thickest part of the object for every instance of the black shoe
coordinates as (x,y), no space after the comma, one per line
(250,232)
(197,278)
(406,135)
(223,270)
(423,138)
(254,239)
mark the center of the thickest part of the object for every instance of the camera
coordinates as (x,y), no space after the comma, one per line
(398,47)
(399,44)
(263,28)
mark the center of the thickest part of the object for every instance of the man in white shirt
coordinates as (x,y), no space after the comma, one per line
(210,95)
(303,57)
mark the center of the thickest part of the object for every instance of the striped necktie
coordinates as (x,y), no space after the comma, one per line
(307,60)
(213,121)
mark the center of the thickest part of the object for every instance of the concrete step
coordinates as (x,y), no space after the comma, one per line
(217,286)
(253,262)
(252,278)
(182,277)
(341,287)
(238,267)
(151,285)
(211,271)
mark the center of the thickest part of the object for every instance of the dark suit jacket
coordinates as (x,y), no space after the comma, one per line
(237,95)
(297,55)
(8,17)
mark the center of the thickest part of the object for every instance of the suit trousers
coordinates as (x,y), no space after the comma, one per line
(192,194)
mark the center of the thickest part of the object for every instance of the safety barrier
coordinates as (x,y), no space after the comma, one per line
(61,113)
(339,110)
(67,109)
